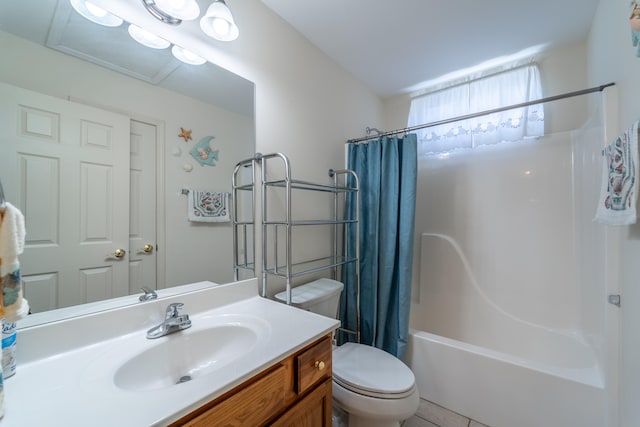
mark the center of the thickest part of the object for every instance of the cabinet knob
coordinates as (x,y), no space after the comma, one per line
(319,365)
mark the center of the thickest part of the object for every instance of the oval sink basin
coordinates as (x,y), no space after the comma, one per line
(186,355)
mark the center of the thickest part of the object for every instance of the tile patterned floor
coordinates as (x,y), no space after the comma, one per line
(431,415)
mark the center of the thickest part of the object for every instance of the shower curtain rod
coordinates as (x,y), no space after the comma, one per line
(482,113)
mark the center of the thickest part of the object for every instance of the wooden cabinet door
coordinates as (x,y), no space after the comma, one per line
(314,410)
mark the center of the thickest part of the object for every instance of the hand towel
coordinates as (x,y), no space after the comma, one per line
(12,237)
(617,204)
(208,206)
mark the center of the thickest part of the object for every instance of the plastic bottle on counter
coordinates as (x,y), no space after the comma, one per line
(8,349)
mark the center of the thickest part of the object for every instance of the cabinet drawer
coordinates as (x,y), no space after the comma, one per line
(250,406)
(313,365)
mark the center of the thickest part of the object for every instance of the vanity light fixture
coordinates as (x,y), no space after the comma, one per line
(187,56)
(186,10)
(172,12)
(218,22)
(95,14)
(147,38)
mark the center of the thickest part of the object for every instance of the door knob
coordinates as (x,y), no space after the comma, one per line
(119,253)
(147,248)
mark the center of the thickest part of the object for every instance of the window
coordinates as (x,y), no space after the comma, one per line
(507,88)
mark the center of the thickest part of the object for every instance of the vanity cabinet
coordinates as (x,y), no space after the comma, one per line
(295,392)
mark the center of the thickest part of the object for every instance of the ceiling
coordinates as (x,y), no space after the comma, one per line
(399,46)
(393,47)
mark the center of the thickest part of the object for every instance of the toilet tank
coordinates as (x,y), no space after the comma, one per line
(321,296)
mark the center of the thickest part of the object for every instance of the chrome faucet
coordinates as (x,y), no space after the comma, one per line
(173,322)
(149,294)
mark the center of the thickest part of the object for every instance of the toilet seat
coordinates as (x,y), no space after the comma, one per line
(372,372)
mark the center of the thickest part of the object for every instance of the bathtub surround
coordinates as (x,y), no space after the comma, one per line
(387,169)
(511,294)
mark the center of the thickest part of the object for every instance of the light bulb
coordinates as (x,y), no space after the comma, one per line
(95,10)
(186,56)
(181,9)
(220,26)
(147,38)
(95,14)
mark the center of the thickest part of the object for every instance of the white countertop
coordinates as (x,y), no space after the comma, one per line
(65,369)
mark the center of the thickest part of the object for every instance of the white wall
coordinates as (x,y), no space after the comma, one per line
(612,58)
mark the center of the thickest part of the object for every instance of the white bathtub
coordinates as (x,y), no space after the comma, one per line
(475,358)
(502,390)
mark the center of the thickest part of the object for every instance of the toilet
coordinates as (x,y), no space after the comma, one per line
(371,388)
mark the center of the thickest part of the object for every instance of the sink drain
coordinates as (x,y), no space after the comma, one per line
(184,379)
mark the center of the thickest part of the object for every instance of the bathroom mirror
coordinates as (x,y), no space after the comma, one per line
(52,51)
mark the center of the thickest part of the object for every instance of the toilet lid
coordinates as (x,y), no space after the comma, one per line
(371,371)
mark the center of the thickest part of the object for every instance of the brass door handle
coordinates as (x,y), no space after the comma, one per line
(119,253)
(319,365)
(147,249)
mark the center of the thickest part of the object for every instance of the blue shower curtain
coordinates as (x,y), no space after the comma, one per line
(387,169)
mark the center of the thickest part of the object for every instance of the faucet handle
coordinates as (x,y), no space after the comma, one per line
(173,310)
(149,294)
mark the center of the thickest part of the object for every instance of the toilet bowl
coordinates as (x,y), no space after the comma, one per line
(372,387)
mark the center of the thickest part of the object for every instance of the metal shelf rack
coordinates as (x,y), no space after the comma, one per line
(278,224)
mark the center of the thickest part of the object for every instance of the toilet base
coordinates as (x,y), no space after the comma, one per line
(355,421)
(339,418)
(353,410)
(342,419)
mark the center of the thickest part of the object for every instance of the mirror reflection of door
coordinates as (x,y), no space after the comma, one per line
(69,173)
(142,207)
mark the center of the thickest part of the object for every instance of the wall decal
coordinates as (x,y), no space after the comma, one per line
(203,152)
(634,23)
(177,151)
(187,167)
(186,134)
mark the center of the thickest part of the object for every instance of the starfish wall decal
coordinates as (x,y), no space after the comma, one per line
(186,134)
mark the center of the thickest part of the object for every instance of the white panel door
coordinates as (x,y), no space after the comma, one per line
(66,167)
(142,221)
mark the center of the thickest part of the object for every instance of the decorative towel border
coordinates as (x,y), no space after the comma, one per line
(208,206)
(617,204)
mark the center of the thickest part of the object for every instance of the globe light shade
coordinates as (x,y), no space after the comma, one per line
(185,10)
(95,14)
(218,22)
(147,38)
(187,56)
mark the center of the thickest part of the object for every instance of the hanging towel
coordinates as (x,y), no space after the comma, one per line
(12,236)
(617,204)
(208,206)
